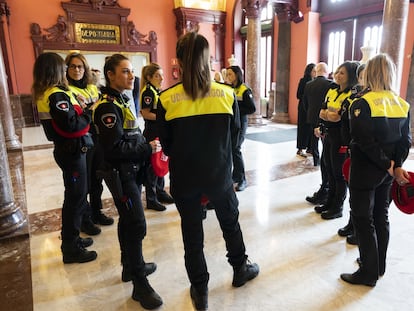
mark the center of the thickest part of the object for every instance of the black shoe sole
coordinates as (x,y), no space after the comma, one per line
(349,278)
(91,257)
(329,216)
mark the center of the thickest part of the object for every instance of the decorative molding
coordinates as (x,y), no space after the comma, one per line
(5,10)
(101,17)
(287,11)
(253,7)
(189,19)
(98,4)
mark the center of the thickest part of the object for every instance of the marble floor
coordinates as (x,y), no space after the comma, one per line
(299,254)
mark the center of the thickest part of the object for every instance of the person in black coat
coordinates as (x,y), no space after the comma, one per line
(314,96)
(303,134)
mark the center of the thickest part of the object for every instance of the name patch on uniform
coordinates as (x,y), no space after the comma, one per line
(109,120)
(62,105)
(357,112)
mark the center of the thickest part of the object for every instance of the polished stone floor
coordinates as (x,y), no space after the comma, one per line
(300,255)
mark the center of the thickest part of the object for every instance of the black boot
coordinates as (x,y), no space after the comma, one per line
(145,294)
(319,197)
(164,197)
(246,272)
(321,208)
(352,239)
(200,300)
(348,229)
(149,268)
(75,252)
(89,227)
(358,278)
(102,219)
(332,213)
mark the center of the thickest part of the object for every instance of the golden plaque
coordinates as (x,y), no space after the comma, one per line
(97,33)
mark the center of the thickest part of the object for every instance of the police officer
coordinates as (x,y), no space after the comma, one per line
(234,77)
(80,83)
(198,121)
(152,78)
(380,142)
(334,156)
(125,156)
(65,123)
(357,91)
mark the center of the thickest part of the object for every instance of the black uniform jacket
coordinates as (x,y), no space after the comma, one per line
(120,142)
(199,136)
(380,132)
(61,116)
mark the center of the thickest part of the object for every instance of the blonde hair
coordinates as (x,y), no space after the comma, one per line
(148,71)
(380,73)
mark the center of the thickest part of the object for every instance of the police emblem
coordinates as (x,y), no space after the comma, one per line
(62,105)
(109,120)
(357,112)
(147,100)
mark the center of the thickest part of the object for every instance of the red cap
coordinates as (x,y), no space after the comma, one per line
(403,195)
(346,168)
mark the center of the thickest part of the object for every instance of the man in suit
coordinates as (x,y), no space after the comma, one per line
(313,98)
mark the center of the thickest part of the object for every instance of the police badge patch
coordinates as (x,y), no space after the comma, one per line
(147,100)
(109,120)
(62,105)
(357,112)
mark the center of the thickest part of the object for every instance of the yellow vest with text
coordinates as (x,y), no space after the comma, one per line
(334,99)
(386,104)
(178,104)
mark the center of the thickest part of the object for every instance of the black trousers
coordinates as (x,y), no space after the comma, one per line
(226,208)
(74,170)
(369,212)
(153,185)
(132,226)
(333,165)
(94,160)
(238,163)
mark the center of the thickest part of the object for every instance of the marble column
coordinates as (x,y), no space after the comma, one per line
(11,139)
(280,113)
(253,10)
(11,216)
(394,30)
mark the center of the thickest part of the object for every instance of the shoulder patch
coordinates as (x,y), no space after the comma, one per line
(357,112)
(62,105)
(147,100)
(109,120)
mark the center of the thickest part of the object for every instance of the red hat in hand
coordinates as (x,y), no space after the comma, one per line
(403,195)
(159,162)
(346,168)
